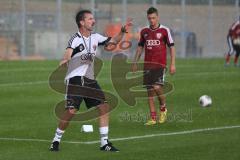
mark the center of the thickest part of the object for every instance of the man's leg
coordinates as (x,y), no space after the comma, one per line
(103,123)
(162,101)
(153,113)
(63,124)
(236,57)
(161,97)
(151,94)
(104,128)
(230,52)
(227,59)
(66,118)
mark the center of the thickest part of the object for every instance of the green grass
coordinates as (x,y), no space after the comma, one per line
(27,104)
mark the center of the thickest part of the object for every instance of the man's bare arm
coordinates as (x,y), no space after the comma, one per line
(67,56)
(124,29)
(118,37)
(138,54)
(172,61)
(136,58)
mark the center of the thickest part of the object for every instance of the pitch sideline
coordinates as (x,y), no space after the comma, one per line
(128,138)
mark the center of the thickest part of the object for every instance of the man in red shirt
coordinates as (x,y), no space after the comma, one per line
(155,39)
(233,39)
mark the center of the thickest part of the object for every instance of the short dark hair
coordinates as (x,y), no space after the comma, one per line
(81,15)
(152,10)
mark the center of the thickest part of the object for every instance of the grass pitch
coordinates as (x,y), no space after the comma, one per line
(28,123)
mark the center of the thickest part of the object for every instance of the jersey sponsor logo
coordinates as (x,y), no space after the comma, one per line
(87,56)
(152,42)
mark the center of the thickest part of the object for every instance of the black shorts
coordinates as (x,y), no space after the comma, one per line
(233,48)
(236,49)
(80,88)
(153,77)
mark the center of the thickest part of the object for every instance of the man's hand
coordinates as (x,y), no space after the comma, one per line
(66,57)
(134,67)
(172,69)
(63,62)
(127,25)
(116,39)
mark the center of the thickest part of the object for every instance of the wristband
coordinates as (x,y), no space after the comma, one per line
(123,29)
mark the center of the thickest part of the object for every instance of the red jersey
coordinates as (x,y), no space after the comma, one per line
(155,42)
(234,31)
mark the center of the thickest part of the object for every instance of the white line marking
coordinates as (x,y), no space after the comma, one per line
(6,70)
(22,83)
(129,138)
(178,76)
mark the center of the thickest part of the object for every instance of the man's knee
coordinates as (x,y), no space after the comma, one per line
(104,108)
(157,87)
(151,92)
(72,111)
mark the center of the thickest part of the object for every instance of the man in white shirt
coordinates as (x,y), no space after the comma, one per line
(79,56)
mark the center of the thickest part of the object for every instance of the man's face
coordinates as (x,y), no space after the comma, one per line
(88,22)
(153,19)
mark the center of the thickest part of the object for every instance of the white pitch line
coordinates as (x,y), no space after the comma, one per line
(129,138)
(22,83)
(178,76)
(24,139)
(26,69)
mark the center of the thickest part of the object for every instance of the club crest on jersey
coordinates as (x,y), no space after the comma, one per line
(159,35)
(81,47)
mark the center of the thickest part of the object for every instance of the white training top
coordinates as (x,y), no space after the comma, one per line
(84,51)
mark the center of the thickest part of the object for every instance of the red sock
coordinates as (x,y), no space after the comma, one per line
(163,107)
(227,58)
(153,115)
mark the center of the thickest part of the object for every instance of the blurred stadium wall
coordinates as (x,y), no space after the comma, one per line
(40,29)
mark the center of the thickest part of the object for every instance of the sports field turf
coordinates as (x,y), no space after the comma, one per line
(28,123)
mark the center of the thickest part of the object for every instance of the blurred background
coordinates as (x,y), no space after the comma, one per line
(36,30)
